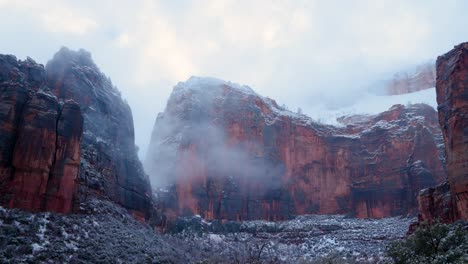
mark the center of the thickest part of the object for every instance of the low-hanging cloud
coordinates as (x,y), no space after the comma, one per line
(176,153)
(192,139)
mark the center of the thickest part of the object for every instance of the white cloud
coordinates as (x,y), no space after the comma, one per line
(123,40)
(299,52)
(162,52)
(55,16)
(62,20)
(301,21)
(391,33)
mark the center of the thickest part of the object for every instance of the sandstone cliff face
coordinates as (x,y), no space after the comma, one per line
(39,140)
(232,154)
(66,134)
(452,98)
(110,164)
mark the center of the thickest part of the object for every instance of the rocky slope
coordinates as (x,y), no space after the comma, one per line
(66,135)
(107,234)
(449,201)
(228,153)
(102,233)
(304,239)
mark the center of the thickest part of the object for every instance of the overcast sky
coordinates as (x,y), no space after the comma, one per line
(301,53)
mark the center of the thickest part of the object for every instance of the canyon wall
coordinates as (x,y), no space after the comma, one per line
(66,135)
(40,140)
(449,202)
(227,153)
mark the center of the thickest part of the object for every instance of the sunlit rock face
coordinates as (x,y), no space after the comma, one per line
(66,135)
(227,153)
(450,203)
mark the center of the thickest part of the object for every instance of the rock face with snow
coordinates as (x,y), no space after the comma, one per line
(39,140)
(228,153)
(110,165)
(450,202)
(423,77)
(66,134)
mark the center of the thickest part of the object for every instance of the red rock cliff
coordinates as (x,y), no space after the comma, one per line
(66,135)
(40,140)
(109,166)
(232,154)
(449,202)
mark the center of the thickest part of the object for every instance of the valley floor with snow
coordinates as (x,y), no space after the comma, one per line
(107,234)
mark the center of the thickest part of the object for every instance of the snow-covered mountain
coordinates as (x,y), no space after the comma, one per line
(371,104)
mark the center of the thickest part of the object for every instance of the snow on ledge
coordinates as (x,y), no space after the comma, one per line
(368,104)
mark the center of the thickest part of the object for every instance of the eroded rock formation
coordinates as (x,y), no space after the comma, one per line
(228,153)
(109,165)
(449,202)
(65,135)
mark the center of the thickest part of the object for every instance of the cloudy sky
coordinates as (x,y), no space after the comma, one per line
(301,53)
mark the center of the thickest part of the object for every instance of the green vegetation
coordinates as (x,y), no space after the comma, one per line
(432,243)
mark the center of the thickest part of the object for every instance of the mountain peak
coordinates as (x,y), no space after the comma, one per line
(211,84)
(66,56)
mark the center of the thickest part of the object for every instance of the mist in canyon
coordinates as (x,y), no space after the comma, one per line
(189,140)
(220,131)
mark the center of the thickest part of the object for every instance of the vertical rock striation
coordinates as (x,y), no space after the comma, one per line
(110,166)
(40,140)
(449,202)
(66,163)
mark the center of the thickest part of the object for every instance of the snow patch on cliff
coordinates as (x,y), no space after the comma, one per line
(371,104)
(368,104)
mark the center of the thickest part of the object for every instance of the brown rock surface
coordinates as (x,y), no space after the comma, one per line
(66,135)
(109,165)
(437,203)
(35,130)
(66,165)
(34,151)
(450,203)
(232,154)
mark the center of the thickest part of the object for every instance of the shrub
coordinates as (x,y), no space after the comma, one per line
(432,243)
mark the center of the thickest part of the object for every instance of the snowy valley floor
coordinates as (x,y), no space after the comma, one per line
(110,235)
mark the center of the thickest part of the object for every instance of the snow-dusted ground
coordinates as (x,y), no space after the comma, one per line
(107,234)
(305,239)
